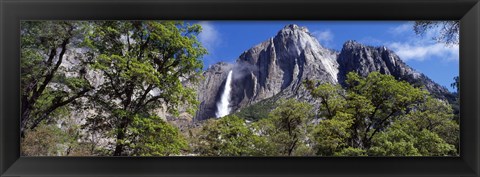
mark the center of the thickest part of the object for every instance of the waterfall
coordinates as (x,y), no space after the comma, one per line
(223,106)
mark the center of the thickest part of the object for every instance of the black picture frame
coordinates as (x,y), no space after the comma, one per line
(13,11)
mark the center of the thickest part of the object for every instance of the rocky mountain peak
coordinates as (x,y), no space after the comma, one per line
(354,45)
(277,67)
(294,27)
(299,37)
(351,44)
(220,66)
(364,59)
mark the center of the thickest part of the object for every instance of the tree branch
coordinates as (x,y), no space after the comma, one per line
(57,105)
(117,92)
(144,96)
(380,123)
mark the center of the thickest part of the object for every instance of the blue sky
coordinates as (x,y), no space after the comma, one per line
(226,40)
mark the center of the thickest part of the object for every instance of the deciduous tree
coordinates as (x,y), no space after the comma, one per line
(230,136)
(378,115)
(288,126)
(47,85)
(144,65)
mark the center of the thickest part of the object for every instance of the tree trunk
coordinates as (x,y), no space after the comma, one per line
(23,122)
(119,146)
(27,103)
(121,137)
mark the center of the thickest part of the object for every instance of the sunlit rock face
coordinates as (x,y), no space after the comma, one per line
(280,65)
(277,68)
(210,89)
(356,57)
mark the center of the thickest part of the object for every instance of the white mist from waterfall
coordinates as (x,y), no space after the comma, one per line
(223,108)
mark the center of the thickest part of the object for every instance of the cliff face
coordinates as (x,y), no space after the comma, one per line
(356,57)
(210,89)
(276,68)
(280,65)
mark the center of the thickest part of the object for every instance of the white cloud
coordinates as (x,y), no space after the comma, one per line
(324,37)
(422,51)
(209,37)
(421,48)
(401,29)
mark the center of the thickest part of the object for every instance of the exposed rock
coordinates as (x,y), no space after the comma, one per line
(364,59)
(276,68)
(278,65)
(210,89)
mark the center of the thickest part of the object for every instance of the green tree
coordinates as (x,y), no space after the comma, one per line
(229,136)
(373,103)
(449,35)
(152,136)
(258,110)
(48,145)
(332,135)
(435,116)
(287,127)
(456,103)
(402,139)
(144,65)
(378,115)
(332,97)
(56,140)
(394,142)
(376,101)
(48,86)
(456,83)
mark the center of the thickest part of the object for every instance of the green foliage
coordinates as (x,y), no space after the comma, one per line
(287,127)
(374,116)
(456,102)
(258,110)
(142,56)
(385,90)
(229,136)
(404,140)
(144,64)
(435,116)
(331,97)
(155,137)
(55,141)
(378,115)
(350,151)
(456,83)
(332,135)
(394,142)
(431,144)
(46,88)
(48,145)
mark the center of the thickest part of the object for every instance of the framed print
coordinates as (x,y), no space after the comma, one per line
(239,88)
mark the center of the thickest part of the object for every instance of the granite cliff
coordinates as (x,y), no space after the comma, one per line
(277,67)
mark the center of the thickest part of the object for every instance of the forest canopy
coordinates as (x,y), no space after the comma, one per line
(112,88)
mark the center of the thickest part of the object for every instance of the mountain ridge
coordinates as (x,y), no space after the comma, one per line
(280,64)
